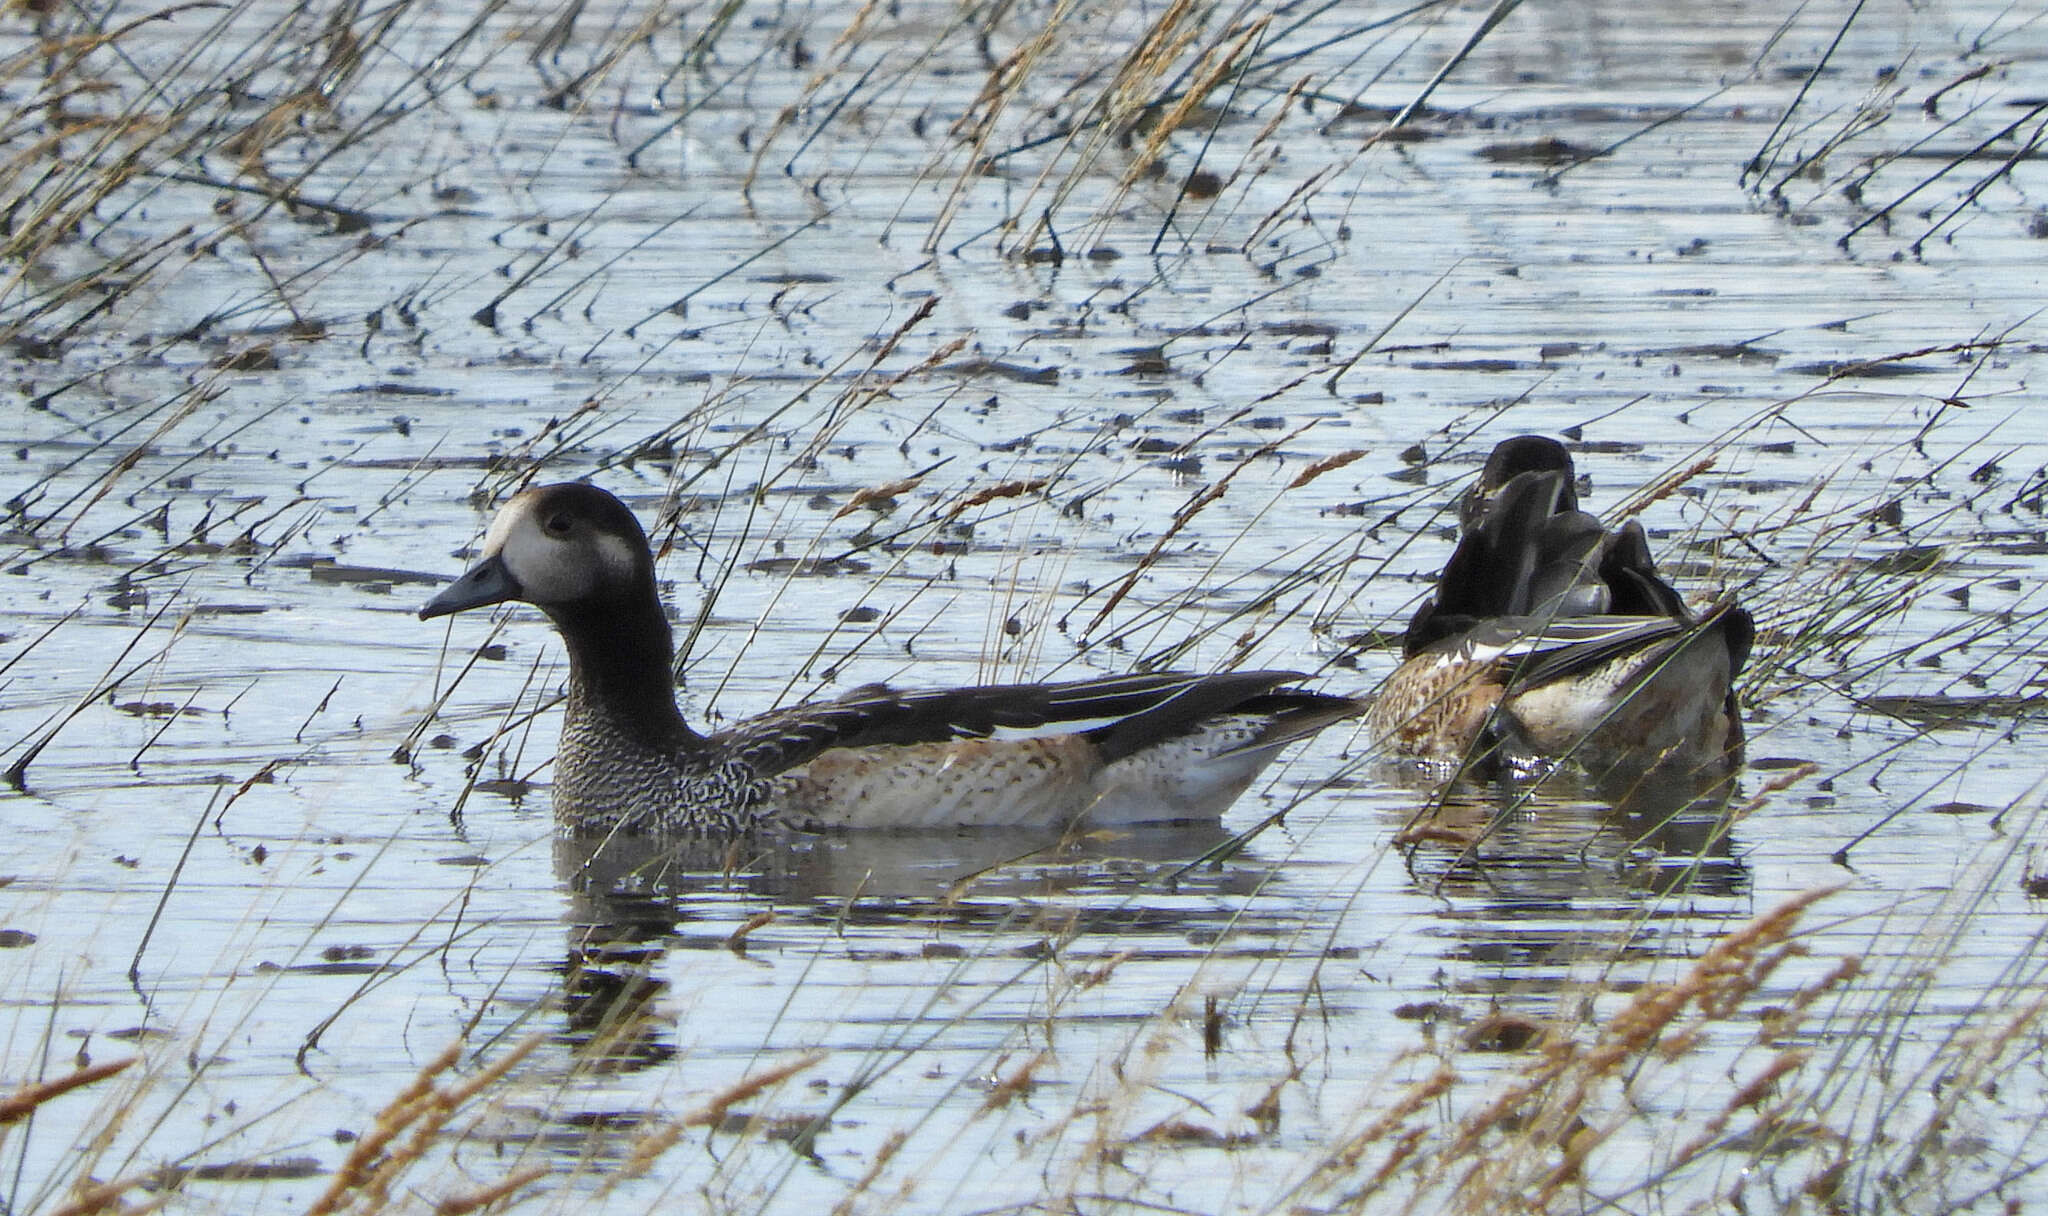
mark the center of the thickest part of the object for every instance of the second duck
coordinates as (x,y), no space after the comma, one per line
(1550,638)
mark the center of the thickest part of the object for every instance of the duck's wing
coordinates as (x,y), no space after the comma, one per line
(1121,715)
(1630,575)
(1530,652)
(1490,573)
(1566,580)
(1531,553)
(1737,629)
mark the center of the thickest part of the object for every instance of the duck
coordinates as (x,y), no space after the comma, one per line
(1154,747)
(1553,639)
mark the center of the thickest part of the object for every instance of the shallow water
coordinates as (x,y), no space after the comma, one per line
(254,787)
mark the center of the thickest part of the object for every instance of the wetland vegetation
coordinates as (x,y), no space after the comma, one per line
(946,343)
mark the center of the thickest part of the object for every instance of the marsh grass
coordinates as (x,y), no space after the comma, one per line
(1830,1096)
(200,203)
(1918,187)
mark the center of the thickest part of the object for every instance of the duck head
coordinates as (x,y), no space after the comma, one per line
(566,549)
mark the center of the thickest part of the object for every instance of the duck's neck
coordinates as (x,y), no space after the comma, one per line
(620,671)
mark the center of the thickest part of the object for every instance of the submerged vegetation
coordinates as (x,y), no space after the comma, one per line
(944,343)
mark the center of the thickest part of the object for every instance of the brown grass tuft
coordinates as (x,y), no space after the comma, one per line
(378,1160)
(23,1102)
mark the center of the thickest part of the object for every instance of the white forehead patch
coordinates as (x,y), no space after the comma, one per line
(516,513)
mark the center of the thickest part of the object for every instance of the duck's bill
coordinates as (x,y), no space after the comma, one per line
(487,582)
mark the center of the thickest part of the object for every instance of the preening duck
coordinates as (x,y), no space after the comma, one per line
(1552,638)
(1122,749)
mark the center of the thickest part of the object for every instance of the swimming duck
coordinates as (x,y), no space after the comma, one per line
(1121,749)
(1552,638)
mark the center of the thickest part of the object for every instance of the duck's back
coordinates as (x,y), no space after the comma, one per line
(1119,750)
(1149,748)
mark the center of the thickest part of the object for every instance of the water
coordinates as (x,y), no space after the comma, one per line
(239,480)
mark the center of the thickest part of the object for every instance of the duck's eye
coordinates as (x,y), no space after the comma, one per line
(557,526)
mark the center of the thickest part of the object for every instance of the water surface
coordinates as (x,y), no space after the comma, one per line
(285,843)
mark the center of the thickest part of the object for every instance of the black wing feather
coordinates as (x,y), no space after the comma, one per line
(1136,711)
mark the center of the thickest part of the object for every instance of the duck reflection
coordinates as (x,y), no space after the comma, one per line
(1561,839)
(633,899)
(1543,877)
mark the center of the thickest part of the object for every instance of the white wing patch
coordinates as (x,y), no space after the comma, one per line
(1074,726)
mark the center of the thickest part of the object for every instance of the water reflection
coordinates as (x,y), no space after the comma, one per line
(633,900)
(1543,879)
